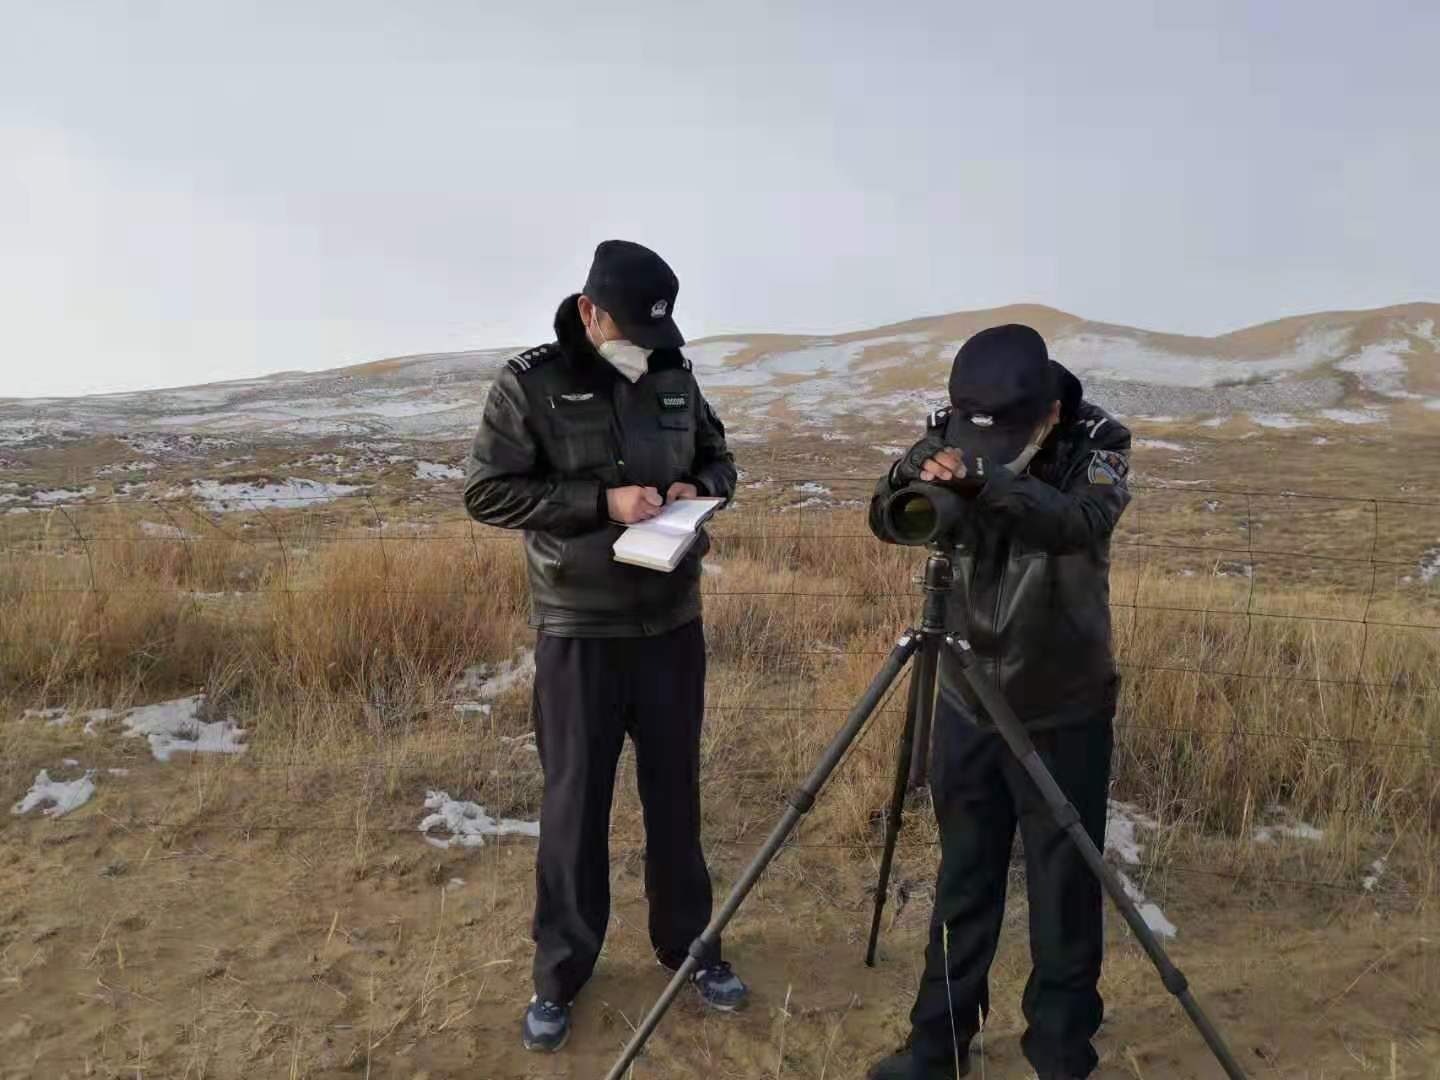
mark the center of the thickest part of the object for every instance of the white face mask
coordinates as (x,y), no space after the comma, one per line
(624,356)
(1021,463)
(627,358)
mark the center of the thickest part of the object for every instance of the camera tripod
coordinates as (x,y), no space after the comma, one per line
(924,645)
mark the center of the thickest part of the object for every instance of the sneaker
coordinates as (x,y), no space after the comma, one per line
(901,1066)
(720,988)
(546,1026)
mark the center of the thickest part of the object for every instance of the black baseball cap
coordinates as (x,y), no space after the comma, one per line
(637,289)
(1002,384)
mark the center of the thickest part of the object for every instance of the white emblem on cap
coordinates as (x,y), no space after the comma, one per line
(982,420)
(658,309)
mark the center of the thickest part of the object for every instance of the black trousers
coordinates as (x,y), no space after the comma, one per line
(981,793)
(589,694)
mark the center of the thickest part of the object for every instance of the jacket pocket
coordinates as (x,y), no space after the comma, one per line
(580,438)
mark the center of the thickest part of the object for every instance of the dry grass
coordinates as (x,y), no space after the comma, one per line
(350,647)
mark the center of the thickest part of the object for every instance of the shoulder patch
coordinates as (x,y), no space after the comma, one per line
(531,358)
(1109,467)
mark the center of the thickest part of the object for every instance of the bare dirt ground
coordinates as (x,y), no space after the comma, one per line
(172,934)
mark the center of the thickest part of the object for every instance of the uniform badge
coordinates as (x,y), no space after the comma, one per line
(1108,467)
(674,401)
(658,309)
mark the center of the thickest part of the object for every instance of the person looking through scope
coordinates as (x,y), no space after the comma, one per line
(1025,480)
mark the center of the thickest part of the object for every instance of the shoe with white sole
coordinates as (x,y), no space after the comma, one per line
(546,1026)
(720,988)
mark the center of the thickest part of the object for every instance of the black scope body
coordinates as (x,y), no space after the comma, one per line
(920,514)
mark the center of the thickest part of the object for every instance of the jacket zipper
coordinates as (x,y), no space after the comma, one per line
(617,429)
(999,604)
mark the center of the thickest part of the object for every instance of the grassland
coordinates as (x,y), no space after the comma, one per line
(277,913)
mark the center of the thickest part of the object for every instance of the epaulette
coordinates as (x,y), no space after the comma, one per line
(532,358)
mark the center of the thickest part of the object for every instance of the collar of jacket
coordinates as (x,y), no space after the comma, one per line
(575,343)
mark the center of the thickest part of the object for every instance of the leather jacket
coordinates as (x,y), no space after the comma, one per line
(1032,572)
(560,427)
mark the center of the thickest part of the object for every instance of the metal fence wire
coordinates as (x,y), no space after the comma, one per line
(1372,546)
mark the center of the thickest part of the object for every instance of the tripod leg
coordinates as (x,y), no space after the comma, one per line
(800,802)
(897,794)
(925,667)
(1068,818)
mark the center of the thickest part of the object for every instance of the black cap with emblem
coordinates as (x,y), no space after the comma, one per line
(1002,384)
(637,289)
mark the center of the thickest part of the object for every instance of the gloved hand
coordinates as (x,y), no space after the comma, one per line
(931,461)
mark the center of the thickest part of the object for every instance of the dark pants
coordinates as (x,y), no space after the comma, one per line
(590,693)
(981,792)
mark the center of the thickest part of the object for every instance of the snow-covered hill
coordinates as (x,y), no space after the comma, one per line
(1346,368)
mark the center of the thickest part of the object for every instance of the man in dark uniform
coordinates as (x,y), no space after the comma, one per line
(1046,472)
(606,425)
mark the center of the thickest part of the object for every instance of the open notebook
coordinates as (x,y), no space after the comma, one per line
(661,542)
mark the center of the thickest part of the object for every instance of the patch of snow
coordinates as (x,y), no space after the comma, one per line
(53,717)
(56,798)
(1381,368)
(1433,404)
(1319,440)
(1377,871)
(1150,912)
(485,683)
(430,470)
(1122,823)
(1425,331)
(810,487)
(1160,444)
(94,717)
(467,823)
(71,763)
(711,355)
(805,504)
(830,359)
(889,450)
(1125,359)
(118,772)
(1354,416)
(1215,421)
(61,495)
(127,467)
(155,528)
(291,494)
(1430,565)
(1278,420)
(174,727)
(1283,825)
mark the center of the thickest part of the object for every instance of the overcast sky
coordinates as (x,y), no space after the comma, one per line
(195,190)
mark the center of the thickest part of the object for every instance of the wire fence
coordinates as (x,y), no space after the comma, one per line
(1381,555)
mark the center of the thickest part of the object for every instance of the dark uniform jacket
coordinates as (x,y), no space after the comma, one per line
(1032,572)
(561,425)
